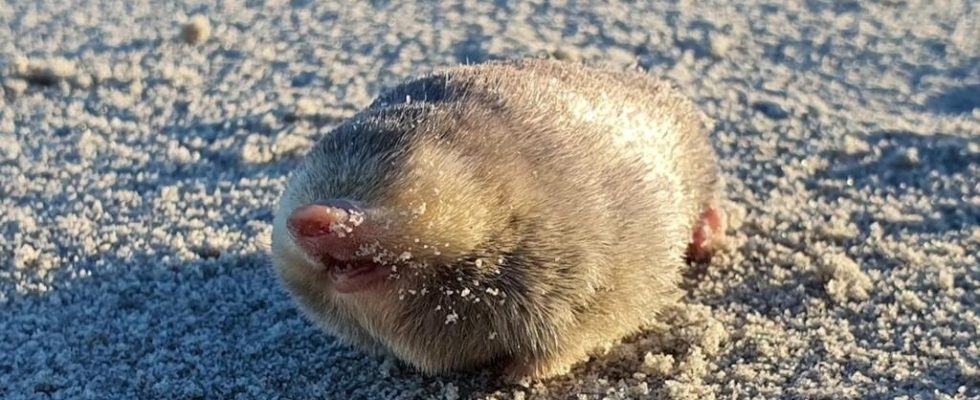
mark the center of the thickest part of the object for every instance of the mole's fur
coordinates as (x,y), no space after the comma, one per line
(523,212)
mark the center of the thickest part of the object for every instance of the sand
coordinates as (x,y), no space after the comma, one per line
(143,147)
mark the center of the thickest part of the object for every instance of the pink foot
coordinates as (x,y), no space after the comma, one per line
(709,232)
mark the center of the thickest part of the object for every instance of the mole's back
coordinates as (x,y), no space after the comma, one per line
(612,113)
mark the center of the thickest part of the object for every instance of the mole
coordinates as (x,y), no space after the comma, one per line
(515,213)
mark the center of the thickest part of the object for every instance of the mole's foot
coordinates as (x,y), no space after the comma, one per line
(709,233)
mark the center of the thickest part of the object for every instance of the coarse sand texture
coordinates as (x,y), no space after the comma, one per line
(144,145)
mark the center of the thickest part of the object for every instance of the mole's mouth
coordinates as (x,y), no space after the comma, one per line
(351,276)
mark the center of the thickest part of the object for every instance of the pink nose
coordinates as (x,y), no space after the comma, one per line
(327,228)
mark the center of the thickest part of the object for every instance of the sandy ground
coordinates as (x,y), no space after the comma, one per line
(138,174)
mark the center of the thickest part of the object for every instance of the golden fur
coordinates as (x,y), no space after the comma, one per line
(545,208)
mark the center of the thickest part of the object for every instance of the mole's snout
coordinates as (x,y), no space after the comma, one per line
(329,228)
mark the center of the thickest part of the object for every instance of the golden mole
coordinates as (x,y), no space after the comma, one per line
(518,212)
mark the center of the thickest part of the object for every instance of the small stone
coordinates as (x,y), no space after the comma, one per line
(909,157)
(82,81)
(945,280)
(256,150)
(196,31)
(911,300)
(136,88)
(15,86)
(25,256)
(719,44)
(843,278)
(450,392)
(305,107)
(658,364)
(89,145)
(855,147)
(640,390)
(179,154)
(9,148)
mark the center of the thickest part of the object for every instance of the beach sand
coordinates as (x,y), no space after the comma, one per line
(142,151)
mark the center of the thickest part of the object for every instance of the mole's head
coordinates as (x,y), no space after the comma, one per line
(410,225)
(377,208)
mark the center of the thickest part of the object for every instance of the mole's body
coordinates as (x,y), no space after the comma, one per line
(524,212)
